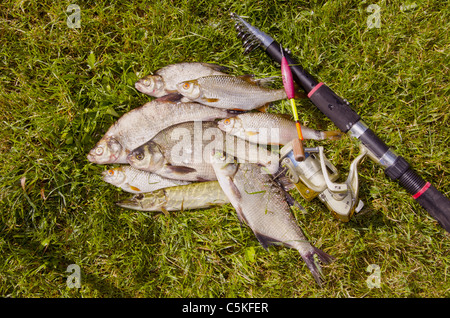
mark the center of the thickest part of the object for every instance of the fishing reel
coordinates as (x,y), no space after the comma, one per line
(316,176)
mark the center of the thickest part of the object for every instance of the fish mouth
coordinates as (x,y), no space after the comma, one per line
(130,158)
(96,159)
(132,203)
(140,86)
(105,175)
(92,158)
(128,204)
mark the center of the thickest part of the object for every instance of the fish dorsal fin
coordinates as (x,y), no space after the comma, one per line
(286,116)
(217,67)
(261,82)
(266,82)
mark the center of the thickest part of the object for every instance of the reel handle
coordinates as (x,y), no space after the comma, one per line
(299,151)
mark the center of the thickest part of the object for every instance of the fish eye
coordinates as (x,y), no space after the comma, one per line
(111,172)
(98,151)
(186,85)
(227,121)
(139,156)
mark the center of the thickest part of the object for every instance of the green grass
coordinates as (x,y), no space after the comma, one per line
(62,88)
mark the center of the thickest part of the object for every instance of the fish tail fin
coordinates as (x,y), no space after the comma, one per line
(312,261)
(299,95)
(332,135)
(264,108)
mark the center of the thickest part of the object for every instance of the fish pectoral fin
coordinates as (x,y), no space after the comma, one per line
(234,188)
(265,240)
(210,100)
(164,210)
(180,169)
(251,133)
(134,188)
(172,97)
(236,111)
(240,215)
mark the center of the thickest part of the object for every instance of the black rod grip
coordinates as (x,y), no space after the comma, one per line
(334,107)
(437,205)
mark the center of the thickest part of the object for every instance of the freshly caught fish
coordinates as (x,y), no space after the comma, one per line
(230,92)
(140,124)
(270,129)
(261,204)
(137,181)
(181,152)
(164,80)
(197,195)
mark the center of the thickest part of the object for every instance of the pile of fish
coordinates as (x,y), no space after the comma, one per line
(202,142)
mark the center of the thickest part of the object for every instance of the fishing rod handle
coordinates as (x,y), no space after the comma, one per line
(437,205)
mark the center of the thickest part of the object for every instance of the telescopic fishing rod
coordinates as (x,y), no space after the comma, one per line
(339,111)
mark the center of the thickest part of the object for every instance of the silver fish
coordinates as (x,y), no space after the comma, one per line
(270,129)
(261,204)
(137,181)
(229,92)
(140,124)
(197,195)
(164,80)
(181,152)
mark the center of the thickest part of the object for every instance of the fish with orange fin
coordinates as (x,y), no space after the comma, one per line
(164,80)
(230,92)
(270,129)
(140,124)
(133,180)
